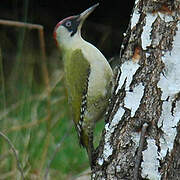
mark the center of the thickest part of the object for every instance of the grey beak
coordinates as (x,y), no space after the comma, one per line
(86,13)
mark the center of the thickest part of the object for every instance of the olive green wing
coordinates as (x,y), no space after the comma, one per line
(77,70)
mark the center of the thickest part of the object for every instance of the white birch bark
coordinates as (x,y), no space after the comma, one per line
(141,139)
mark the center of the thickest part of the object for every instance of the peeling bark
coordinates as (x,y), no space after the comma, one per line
(147,94)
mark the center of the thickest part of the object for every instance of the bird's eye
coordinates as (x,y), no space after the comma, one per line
(68,23)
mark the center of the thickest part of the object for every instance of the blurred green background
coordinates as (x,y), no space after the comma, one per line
(34,112)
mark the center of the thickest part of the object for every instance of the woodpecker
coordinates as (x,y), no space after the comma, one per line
(88,77)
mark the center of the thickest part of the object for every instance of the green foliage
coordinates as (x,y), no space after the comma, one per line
(33,126)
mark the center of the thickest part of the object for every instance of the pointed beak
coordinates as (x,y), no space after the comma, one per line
(86,13)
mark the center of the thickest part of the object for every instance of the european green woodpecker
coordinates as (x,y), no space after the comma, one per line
(88,76)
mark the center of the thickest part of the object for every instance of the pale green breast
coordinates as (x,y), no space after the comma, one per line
(101,73)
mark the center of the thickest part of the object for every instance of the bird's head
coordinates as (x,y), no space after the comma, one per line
(69,29)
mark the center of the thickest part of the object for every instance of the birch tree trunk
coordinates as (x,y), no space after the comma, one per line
(141,139)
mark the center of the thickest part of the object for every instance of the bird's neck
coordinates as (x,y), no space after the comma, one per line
(72,43)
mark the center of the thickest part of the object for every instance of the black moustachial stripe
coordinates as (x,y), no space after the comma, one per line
(72,25)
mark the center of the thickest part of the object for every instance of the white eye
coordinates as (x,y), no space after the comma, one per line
(68,23)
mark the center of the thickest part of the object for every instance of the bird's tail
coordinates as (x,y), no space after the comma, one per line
(87,142)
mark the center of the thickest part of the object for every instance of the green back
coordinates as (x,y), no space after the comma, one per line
(76,71)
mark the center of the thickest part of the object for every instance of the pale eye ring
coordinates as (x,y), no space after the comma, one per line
(68,23)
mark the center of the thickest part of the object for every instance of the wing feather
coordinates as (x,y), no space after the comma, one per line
(77,70)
